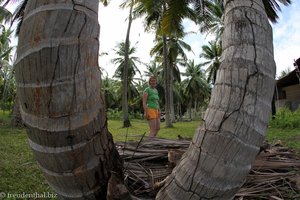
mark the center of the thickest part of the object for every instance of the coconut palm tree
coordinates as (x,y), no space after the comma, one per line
(58,83)
(131,71)
(166,19)
(196,87)
(211,19)
(120,62)
(180,99)
(221,152)
(154,11)
(5,15)
(175,48)
(176,55)
(153,69)
(126,122)
(110,87)
(7,81)
(5,47)
(212,54)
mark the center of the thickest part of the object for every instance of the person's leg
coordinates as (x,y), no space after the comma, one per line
(152,127)
(157,126)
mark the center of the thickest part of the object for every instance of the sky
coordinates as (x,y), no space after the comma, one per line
(113,27)
(286,36)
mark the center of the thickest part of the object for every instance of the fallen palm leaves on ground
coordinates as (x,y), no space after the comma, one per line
(275,173)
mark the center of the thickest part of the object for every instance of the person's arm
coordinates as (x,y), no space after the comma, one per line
(145,96)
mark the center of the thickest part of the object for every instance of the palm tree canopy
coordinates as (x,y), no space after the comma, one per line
(272,7)
(153,69)
(195,81)
(176,11)
(212,54)
(176,47)
(120,61)
(5,15)
(211,18)
(211,14)
(5,48)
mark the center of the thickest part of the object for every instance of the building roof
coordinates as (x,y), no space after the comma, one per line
(289,79)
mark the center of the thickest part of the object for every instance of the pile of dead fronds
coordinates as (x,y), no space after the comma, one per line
(146,162)
(274,175)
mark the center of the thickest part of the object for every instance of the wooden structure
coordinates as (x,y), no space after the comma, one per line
(287,92)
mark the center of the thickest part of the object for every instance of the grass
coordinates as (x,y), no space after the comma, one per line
(20,173)
(288,137)
(139,127)
(18,170)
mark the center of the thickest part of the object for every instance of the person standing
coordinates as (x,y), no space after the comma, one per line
(151,107)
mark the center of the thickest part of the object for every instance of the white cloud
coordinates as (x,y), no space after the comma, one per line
(286,36)
(113,30)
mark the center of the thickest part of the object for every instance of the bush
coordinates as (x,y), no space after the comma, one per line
(285,118)
(114,114)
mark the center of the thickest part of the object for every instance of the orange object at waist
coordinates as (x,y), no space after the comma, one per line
(152,113)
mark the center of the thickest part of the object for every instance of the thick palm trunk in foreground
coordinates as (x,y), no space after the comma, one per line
(58,83)
(222,150)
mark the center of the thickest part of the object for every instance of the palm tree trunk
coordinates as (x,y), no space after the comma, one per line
(221,152)
(167,85)
(172,112)
(167,80)
(58,84)
(126,122)
(195,108)
(190,109)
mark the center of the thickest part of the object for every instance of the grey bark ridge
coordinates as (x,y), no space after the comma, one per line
(220,155)
(58,83)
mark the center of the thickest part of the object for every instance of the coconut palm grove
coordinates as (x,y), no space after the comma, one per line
(52,86)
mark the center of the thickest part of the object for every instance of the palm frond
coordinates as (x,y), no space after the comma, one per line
(5,15)
(272,7)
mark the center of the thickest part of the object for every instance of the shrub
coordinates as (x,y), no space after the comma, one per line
(114,114)
(285,118)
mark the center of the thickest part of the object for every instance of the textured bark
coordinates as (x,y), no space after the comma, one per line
(171,83)
(223,148)
(126,122)
(58,84)
(167,85)
(16,119)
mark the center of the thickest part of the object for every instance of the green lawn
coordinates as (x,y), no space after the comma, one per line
(288,137)
(20,173)
(140,127)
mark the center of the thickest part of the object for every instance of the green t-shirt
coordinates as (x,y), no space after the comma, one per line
(152,100)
